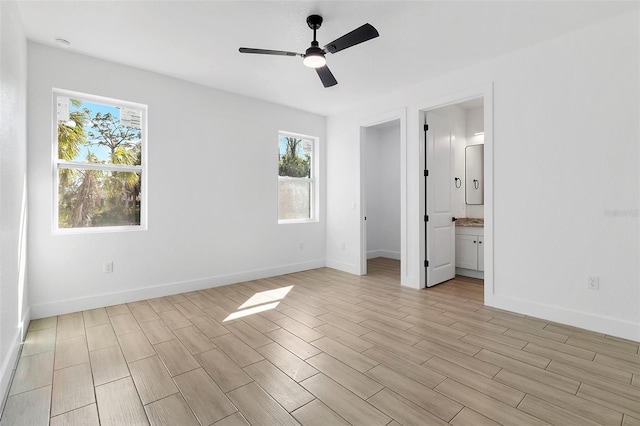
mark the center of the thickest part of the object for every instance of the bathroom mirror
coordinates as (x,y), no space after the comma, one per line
(474,174)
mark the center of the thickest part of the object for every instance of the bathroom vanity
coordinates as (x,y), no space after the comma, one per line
(469,247)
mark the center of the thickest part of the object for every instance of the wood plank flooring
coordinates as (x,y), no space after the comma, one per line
(321,347)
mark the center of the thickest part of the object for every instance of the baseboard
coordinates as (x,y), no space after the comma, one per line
(383,253)
(8,366)
(596,323)
(24,327)
(473,273)
(61,307)
(342,266)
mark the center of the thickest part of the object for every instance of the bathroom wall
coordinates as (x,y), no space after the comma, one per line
(474,123)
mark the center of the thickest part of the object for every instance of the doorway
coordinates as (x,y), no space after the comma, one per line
(454,224)
(381,192)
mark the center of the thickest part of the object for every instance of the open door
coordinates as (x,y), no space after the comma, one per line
(440,225)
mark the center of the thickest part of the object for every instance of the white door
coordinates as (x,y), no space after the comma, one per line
(441,249)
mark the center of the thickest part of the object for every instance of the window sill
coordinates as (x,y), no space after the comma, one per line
(98,230)
(288,221)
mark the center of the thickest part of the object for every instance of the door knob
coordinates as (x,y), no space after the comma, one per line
(453,219)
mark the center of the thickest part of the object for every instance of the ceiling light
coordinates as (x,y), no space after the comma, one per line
(62,42)
(314,57)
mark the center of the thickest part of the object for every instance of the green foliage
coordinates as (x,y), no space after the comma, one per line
(107,131)
(71,137)
(93,197)
(291,164)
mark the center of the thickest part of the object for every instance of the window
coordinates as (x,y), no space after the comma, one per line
(99,163)
(296,178)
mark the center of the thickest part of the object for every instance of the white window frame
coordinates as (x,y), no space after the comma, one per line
(57,164)
(314,197)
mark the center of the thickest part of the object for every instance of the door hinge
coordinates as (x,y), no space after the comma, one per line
(426,263)
(426,218)
(426,127)
(426,173)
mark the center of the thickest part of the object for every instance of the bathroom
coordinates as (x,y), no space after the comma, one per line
(467,144)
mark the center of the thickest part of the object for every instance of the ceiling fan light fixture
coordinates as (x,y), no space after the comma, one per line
(314,56)
(314,60)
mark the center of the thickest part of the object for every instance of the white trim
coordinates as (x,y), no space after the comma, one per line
(314,180)
(349,268)
(8,367)
(473,273)
(486,92)
(57,164)
(98,166)
(102,99)
(289,221)
(585,320)
(384,253)
(98,230)
(61,307)
(10,363)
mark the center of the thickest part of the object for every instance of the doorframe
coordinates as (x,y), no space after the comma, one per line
(397,114)
(486,92)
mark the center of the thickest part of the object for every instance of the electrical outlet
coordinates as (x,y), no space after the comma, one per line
(593,283)
(108,267)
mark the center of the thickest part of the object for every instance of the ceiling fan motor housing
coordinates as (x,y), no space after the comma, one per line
(314,50)
(314,21)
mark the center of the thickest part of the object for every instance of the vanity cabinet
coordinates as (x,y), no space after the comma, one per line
(470,251)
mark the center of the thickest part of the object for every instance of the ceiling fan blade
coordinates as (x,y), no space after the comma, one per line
(326,76)
(268,52)
(357,36)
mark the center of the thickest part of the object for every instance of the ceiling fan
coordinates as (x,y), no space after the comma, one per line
(314,57)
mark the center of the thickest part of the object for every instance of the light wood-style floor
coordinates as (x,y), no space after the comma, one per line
(337,349)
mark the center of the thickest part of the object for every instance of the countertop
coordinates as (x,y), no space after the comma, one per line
(470,221)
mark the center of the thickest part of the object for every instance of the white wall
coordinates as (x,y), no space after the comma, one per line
(565,127)
(14,311)
(474,123)
(382,183)
(212,191)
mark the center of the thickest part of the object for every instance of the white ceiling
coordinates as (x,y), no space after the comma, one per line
(198,41)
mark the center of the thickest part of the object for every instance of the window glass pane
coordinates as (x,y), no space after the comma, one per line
(92,132)
(294,199)
(295,157)
(94,198)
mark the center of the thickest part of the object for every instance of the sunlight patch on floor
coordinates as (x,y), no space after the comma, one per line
(260,302)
